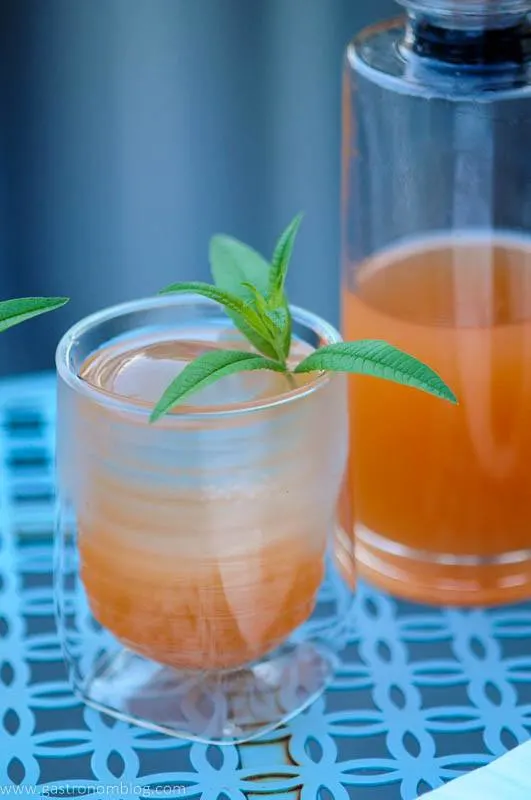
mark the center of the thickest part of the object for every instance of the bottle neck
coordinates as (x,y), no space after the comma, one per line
(470,14)
(470,32)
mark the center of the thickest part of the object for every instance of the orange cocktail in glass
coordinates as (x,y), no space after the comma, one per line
(202,540)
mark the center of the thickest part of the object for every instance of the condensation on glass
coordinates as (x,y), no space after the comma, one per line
(436,247)
(197,590)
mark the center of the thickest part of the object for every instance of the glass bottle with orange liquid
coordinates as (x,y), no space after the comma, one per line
(436,217)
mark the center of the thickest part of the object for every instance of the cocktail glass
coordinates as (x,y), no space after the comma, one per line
(197,589)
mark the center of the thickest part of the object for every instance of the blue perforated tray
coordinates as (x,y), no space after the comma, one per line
(423,694)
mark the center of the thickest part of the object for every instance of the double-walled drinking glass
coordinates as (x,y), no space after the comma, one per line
(195,570)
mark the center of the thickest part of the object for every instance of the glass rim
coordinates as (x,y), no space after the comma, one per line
(143,408)
(485,8)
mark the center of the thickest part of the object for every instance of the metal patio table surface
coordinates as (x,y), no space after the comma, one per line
(423,694)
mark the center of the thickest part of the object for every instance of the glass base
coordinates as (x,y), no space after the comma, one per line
(442,579)
(212,707)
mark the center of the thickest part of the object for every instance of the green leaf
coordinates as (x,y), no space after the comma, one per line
(208,369)
(258,300)
(281,258)
(235,266)
(245,317)
(240,270)
(277,320)
(281,317)
(379,359)
(12,312)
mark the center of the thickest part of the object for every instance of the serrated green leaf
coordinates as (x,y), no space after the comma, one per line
(380,360)
(277,320)
(282,257)
(206,370)
(244,316)
(260,342)
(235,266)
(281,318)
(256,298)
(12,312)
(222,297)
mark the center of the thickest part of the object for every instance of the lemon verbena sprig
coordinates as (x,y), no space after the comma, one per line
(252,292)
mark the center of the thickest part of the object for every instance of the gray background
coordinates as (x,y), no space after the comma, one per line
(132,130)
